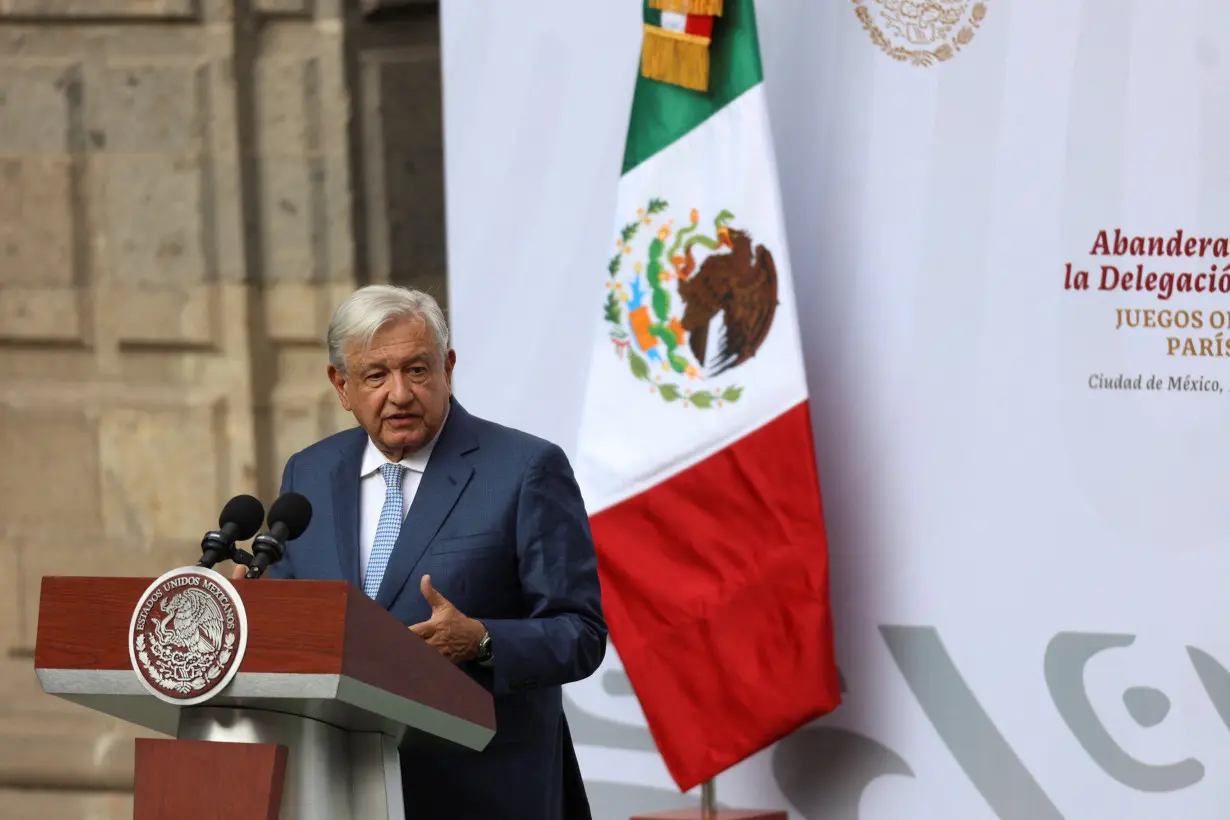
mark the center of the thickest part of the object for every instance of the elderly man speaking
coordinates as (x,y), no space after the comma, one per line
(472,534)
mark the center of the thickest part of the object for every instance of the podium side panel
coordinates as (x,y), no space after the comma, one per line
(389,670)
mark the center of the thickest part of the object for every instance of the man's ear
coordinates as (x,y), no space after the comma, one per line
(338,380)
(450,360)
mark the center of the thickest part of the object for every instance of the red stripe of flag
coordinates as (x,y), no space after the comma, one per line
(715,586)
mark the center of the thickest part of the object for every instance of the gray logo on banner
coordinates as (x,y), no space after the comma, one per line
(824,770)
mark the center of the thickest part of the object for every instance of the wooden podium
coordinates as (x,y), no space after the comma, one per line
(325,688)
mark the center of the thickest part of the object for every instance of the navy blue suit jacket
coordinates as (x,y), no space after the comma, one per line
(499,524)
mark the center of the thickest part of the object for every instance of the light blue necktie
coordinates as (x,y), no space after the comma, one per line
(387,530)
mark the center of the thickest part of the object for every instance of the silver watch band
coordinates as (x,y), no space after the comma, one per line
(485,645)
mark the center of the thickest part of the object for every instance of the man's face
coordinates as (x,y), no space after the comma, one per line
(398,390)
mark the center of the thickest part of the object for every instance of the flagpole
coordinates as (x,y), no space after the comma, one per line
(708,800)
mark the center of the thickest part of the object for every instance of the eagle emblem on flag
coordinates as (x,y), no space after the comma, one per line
(692,305)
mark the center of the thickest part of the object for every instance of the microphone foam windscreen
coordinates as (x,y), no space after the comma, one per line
(294,511)
(246,513)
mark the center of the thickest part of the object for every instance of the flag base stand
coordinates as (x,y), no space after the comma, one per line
(723,814)
(709,810)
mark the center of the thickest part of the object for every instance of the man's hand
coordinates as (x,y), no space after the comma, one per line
(448,631)
(238,572)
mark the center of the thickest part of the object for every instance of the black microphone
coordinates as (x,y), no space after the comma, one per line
(289,516)
(239,521)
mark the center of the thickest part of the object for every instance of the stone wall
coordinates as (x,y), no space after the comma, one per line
(186,189)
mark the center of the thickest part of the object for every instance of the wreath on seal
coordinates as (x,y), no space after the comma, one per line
(182,671)
(922,56)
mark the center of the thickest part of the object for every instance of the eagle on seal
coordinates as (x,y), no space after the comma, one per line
(195,621)
(742,286)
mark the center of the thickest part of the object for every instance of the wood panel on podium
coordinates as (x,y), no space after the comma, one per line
(171,774)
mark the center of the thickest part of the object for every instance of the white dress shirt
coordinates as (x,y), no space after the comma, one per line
(372,491)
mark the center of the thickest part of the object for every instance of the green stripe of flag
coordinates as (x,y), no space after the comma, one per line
(663,113)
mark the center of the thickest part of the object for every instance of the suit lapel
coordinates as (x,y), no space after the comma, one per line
(443,481)
(345,480)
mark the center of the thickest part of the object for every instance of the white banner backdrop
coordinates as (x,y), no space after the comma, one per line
(1029,561)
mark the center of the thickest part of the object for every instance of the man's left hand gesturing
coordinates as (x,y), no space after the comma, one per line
(448,630)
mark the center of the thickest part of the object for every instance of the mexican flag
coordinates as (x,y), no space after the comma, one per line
(695,454)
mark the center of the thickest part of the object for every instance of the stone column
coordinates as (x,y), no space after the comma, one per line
(175,226)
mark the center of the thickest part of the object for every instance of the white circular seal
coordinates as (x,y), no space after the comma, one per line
(188,634)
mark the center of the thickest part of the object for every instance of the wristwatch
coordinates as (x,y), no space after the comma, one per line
(484,649)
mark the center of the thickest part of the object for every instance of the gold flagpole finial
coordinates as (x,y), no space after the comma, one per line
(712,8)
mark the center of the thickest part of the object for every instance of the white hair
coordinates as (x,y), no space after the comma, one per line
(369,308)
